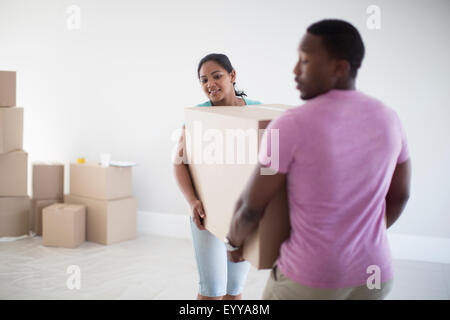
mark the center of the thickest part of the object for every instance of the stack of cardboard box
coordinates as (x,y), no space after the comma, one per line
(14,200)
(48,189)
(107,194)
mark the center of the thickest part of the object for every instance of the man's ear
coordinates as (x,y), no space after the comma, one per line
(233,76)
(342,69)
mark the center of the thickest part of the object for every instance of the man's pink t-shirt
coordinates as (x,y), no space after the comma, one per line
(339,151)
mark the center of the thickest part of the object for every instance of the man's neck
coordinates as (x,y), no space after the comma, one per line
(348,84)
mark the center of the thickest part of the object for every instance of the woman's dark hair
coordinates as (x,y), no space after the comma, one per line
(224,62)
(342,40)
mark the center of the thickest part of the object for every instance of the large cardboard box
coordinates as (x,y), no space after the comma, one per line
(93,181)
(36,214)
(108,221)
(14,215)
(7,88)
(222,145)
(277,107)
(63,225)
(48,181)
(11,129)
(13,174)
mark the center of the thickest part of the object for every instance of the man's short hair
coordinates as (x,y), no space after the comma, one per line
(342,40)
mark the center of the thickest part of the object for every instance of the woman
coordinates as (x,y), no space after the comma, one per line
(219,277)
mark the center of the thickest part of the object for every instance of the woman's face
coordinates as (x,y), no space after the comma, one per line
(216,82)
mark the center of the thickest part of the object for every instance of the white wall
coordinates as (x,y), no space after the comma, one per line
(120,83)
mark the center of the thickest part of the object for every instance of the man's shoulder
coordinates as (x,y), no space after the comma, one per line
(288,118)
(377,105)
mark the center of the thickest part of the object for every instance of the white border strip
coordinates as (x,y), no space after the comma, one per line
(408,247)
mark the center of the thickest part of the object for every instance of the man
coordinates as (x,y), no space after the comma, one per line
(345,160)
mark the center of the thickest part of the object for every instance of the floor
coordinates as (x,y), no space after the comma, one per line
(153,267)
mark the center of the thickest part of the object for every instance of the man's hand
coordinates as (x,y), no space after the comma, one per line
(236,255)
(249,209)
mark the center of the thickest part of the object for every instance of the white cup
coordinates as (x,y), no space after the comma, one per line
(104,159)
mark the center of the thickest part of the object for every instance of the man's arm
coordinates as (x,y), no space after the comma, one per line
(252,203)
(398,193)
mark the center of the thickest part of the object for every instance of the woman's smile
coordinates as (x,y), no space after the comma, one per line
(214,92)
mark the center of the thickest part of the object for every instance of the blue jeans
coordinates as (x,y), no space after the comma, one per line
(218,276)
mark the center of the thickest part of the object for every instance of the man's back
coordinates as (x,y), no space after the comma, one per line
(339,151)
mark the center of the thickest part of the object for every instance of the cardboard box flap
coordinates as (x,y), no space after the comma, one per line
(257,112)
(47,163)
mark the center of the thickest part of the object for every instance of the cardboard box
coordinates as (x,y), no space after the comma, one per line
(7,88)
(108,221)
(282,107)
(48,181)
(221,169)
(63,225)
(14,215)
(11,129)
(36,214)
(13,174)
(93,181)
(263,247)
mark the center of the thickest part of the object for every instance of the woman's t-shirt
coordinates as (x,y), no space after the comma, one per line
(247,102)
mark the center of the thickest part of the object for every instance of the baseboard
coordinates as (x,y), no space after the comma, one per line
(408,247)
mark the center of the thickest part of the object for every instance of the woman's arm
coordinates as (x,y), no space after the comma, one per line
(184,181)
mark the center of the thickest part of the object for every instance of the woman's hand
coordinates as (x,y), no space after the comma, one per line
(198,214)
